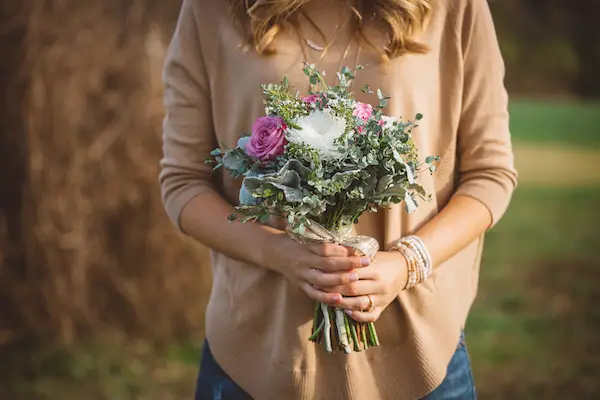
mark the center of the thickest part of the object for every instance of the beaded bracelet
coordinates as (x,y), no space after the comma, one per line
(418,259)
(417,245)
(412,264)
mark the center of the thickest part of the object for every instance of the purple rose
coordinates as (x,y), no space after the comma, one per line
(267,140)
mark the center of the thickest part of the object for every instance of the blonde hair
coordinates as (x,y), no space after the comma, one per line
(262,20)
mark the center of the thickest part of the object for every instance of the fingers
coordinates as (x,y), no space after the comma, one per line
(370,272)
(358,303)
(358,288)
(363,316)
(326,280)
(331,250)
(328,298)
(338,264)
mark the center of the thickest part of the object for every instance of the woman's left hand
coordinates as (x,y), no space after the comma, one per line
(382,281)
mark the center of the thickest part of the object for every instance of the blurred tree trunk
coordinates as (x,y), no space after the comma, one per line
(85,246)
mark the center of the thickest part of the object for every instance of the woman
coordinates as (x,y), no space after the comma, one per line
(438,58)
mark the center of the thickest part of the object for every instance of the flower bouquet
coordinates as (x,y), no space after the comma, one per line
(320,162)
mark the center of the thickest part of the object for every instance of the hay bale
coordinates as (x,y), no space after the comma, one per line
(92,250)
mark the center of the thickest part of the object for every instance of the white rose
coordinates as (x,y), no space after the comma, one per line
(319,130)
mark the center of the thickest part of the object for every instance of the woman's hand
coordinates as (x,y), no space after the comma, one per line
(315,266)
(382,281)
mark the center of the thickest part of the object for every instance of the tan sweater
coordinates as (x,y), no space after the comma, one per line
(257,322)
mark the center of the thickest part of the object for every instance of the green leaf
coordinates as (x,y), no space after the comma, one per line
(419,116)
(313,80)
(393,191)
(232,217)
(384,182)
(216,152)
(418,188)
(233,160)
(410,204)
(410,175)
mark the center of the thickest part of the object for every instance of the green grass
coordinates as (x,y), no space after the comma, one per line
(533,330)
(570,123)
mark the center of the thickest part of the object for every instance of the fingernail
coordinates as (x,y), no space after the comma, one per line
(353,277)
(364,261)
(337,298)
(348,312)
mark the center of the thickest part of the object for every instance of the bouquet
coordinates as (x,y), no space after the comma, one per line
(321,162)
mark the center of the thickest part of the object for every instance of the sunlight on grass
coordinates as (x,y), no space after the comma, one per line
(526,308)
(568,123)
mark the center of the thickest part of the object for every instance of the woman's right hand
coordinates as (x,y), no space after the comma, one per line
(314,267)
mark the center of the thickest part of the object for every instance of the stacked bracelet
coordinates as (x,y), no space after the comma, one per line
(418,259)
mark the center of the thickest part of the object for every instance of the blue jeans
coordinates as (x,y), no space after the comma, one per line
(214,384)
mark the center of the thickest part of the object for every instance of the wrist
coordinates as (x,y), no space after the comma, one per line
(417,258)
(274,250)
(402,263)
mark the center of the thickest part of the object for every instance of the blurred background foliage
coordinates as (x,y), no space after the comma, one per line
(101,298)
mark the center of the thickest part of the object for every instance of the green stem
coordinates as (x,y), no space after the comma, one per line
(373,334)
(363,334)
(326,327)
(349,336)
(355,340)
(341,324)
(317,331)
(316,317)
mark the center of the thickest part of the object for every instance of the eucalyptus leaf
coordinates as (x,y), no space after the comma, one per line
(242,142)
(418,188)
(410,204)
(410,175)
(393,191)
(234,161)
(384,182)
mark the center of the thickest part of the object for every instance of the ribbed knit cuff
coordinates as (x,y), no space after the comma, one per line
(174,204)
(492,194)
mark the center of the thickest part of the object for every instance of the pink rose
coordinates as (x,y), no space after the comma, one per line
(267,140)
(313,98)
(362,111)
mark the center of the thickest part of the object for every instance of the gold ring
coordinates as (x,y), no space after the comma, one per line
(371,305)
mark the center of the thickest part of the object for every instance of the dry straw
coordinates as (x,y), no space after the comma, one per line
(85,247)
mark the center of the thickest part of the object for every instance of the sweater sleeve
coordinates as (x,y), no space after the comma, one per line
(188,134)
(485,157)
